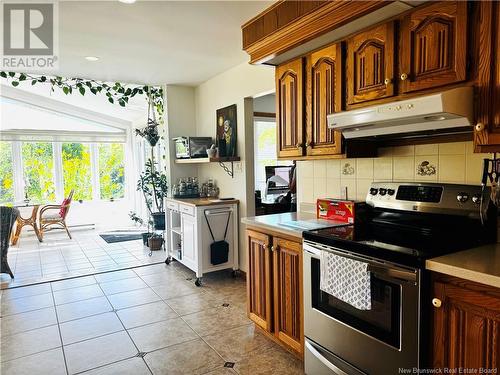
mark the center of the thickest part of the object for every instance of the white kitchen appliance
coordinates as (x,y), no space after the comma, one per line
(448,111)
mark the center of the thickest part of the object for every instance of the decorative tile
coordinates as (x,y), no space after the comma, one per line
(348,168)
(426,167)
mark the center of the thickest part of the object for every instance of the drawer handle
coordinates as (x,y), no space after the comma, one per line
(479,127)
(387,81)
(436,302)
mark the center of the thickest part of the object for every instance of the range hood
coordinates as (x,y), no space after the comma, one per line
(449,112)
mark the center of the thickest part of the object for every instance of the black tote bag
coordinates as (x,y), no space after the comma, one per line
(219,250)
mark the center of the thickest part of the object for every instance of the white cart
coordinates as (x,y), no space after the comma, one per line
(188,238)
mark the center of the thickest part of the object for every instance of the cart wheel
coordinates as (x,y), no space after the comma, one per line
(235,273)
(198,281)
(167,261)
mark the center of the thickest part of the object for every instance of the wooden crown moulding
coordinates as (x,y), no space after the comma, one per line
(288,23)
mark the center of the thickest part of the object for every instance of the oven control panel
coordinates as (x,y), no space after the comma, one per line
(428,197)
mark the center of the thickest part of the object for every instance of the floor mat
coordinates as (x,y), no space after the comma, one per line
(120,237)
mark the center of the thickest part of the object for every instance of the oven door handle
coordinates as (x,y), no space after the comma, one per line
(393,273)
(323,360)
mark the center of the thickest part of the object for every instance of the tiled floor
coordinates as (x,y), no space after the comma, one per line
(58,257)
(146,320)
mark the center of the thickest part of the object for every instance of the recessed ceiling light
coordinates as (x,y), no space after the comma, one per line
(127,1)
(91,58)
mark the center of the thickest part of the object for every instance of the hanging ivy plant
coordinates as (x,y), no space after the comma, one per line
(115,93)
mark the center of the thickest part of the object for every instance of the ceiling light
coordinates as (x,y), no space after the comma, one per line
(127,1)
(91,58)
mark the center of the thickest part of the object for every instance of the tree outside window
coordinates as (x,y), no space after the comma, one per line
(111,170)
(77,170)
(6,173)
(38,162)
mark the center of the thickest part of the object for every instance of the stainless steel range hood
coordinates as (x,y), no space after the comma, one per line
(449,111)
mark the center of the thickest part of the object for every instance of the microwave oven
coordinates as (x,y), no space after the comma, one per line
(192,147)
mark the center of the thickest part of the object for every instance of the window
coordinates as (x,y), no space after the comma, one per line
(77,171)
(38,162)
(6,173)
(111,170)
(265,151)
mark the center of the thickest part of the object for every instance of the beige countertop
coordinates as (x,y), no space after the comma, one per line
(274,222)
(481,264)
(202,201)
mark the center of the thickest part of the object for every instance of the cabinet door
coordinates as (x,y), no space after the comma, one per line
(324,96)
(259,278)
(288,296)
(370,64)
(434,46)
(188,242)
(487,129)
(466,328)
(289,104)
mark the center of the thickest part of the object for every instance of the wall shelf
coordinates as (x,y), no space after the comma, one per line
(221,161)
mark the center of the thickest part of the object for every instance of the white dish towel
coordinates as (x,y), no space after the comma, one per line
(346,279)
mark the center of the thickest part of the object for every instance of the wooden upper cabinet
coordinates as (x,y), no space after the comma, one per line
(289,105)
(324,96)
(370,64)
(288,317)
(434,46)
(466,327)
(259,279)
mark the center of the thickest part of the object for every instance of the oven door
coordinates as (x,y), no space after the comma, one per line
(376,341)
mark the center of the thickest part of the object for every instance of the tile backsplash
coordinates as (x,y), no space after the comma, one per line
(443,162)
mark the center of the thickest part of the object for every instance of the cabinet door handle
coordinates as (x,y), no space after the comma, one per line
(436,302)
(404,77)
(479,127)
(387,81)
(272,248)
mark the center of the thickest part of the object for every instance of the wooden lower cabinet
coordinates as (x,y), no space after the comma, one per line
(466,325)
(274,288)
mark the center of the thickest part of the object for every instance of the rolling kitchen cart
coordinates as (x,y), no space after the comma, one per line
(188,238)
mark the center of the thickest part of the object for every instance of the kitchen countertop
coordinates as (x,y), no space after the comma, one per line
(203,201)
(481,264)
(274,222)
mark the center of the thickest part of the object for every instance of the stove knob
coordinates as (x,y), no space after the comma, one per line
(476,198)
(373,191)
(390,191)
(382,191)
(462,197)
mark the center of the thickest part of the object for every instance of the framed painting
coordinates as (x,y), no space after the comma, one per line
(226,130)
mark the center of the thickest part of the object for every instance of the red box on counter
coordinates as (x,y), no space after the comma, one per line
(339,210)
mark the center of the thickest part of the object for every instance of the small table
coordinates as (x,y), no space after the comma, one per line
(31,221)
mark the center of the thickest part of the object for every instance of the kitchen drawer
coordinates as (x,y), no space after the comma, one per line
(173,206)
(186,209)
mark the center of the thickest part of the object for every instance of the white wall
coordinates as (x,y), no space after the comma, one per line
(180,119)
(235,86)
(266,103)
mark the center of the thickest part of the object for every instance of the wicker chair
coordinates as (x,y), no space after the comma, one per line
(8,216)
(58,218)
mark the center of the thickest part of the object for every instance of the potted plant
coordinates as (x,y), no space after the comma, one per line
(154,187)
(136,219)
(155,241)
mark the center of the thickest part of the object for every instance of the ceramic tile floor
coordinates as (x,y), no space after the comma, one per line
(58,257)
(146,320)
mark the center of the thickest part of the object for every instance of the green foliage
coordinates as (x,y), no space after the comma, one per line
(77,170)
(116,92)
(154,187)
(111,170)
(6,173)
(38,164)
